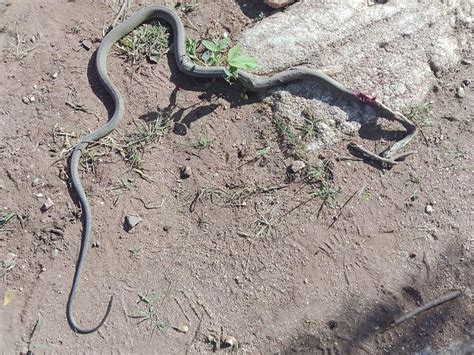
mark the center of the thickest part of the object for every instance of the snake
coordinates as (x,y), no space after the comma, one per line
(249,81)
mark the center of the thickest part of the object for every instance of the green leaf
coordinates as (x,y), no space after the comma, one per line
(210,45)
(233,53)
(243,62)
(223,43)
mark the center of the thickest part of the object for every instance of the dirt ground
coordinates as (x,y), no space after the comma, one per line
(237,249)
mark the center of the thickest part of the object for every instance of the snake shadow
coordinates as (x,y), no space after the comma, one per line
(214,89)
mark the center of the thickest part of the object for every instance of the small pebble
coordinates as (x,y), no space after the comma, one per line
(429,209)
(47,205)
(55,75)
(25,100)
(96,244)
(460,92)
(132,221)
(229,341)
(182,328)
(332,324)
(24,351)
(185,172)
(166,228)
(87,44)
(32,99)
(297,166)
(36,181)
(466,82)
(466,62)
(54,253)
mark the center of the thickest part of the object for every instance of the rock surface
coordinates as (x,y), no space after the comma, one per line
(394,51)
(277,4)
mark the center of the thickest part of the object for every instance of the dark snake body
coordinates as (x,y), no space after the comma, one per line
(248,81)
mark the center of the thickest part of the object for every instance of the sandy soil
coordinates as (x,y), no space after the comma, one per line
(228,250)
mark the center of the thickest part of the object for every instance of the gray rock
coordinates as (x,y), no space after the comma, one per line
(36,181)
(369,44)
(297,166)
(429,209)
(96,244)
(47,205)
(25,100)
(24,351)
(132,221)
(277,4)
(86,44)
(460,92)
(185,172)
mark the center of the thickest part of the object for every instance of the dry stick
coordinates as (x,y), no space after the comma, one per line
(357,192)
(120,13)
(439,301)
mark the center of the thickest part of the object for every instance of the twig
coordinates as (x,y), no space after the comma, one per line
(119,14)
(439,301)
(357,192)
(182,310)
(198,330)
(76,107)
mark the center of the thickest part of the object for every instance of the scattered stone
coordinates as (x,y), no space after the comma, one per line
(429,209)
(86,44)
(54,253)
(96,244)
(466,83)
(460,92)
(242,151)
(278,4)
(55,75)
(332,324)
(25,100)
(230,341)
(24,351)
(9,262)
(305,281)
(297,166)
(132,221)
(36,181)
(47,205)
(166,228)
(466,62)
(32,99)
(56,233)
(185,172)
(182,328)
(33,39)
(39,195)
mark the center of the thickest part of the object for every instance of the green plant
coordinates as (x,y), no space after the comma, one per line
(202,221)
(32,345)
(77,27)
(6,218)
(135,252)
(459,153)
(215,55)
(203,142)
(420,115)
(146,133)
(192,49)
(236,61)
(148,40)
(148,312)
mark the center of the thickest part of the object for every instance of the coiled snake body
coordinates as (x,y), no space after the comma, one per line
(248,81)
